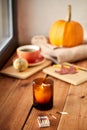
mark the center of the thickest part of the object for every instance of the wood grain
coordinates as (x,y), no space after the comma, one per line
(15,102)
(60,92)
(16,99)
(76,106)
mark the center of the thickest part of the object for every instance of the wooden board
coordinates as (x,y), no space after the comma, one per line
(10,71)
(74,79)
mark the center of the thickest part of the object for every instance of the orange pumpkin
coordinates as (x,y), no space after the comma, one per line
(66,33)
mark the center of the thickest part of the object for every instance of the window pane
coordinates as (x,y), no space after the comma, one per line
(6,31)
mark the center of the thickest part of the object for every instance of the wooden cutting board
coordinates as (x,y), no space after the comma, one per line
(75,79)
(10,71)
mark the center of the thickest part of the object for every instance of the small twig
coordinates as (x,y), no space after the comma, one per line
(53,116)
(64,113)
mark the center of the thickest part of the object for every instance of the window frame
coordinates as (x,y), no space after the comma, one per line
(12,43)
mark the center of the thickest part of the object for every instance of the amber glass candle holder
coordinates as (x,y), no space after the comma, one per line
(43,93)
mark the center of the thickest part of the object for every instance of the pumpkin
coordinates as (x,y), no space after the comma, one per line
(66,33)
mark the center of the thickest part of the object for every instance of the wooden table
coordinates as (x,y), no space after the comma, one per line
(17,113)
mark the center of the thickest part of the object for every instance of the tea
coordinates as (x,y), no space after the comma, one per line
(28,50)
(43,93)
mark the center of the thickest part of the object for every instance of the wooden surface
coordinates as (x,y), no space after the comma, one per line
(75,79)
(17,113)
(10,71)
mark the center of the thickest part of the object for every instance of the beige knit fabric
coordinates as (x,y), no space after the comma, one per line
(59,55)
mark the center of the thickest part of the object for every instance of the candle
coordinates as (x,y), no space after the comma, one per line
(43,93)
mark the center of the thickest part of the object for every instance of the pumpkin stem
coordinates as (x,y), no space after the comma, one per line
(69,13)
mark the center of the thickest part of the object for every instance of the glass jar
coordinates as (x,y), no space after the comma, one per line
(43,93)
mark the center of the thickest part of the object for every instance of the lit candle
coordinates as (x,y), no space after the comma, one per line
(43,93)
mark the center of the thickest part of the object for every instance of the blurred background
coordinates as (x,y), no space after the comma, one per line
(36,16)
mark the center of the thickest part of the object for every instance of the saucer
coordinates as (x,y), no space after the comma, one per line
(38,61)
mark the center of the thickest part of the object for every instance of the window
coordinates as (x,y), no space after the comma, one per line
(6,29)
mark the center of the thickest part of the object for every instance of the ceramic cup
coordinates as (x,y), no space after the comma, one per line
(29,52)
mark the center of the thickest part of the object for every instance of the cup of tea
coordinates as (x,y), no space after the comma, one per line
(43,93)
(29,52)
